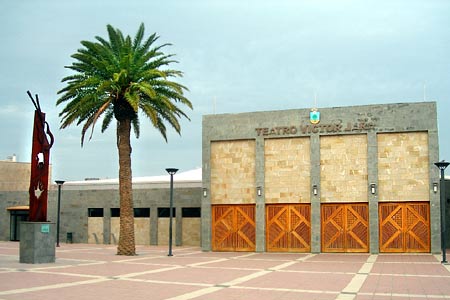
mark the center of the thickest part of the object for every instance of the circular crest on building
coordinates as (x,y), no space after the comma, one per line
(314,116)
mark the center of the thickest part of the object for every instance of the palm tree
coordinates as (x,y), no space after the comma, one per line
(119,78)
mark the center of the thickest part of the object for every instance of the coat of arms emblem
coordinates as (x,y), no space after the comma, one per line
(314,116)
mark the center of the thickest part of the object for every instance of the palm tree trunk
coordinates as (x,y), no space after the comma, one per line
(126,244)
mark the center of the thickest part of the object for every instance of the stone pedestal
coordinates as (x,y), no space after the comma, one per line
(37,242)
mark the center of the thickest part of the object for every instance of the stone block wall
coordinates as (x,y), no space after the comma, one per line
(95,230)
(343,168)
(287,170)
(233,172)
(15,176)
(403,166)
(115,230)
(142,230)
(191,231)
(163,231)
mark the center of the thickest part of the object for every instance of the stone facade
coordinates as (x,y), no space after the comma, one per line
(287,170)
(343,168)
(403,163)
(363,154)
(233,172)
(191,228)
(95,230)
(15,176)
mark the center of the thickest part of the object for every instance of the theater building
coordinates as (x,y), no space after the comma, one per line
(342,179)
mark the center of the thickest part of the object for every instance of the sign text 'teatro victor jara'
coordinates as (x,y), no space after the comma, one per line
(336,127)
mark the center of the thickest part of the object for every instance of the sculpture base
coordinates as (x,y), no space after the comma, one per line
(37,242)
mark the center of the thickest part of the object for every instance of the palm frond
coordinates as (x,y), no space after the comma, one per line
(136,127)
(127,72)
(109,115)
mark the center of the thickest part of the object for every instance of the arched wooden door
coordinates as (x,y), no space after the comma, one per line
(233,228)
(345,227)
(288,227)
(404,227)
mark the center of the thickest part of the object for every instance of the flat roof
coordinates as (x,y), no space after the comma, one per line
(191,178)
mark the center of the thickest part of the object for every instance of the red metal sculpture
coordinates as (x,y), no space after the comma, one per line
(40,157)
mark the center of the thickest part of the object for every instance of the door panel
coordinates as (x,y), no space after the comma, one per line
(391,227)
(345,227)
(333,238)
(245,228)
(277,228)
(357,230)
(300,238)
(233,228)
(288,227)
(404,227)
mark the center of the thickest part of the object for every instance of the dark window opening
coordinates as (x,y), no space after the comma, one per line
(142,212)
(95,212)
(17,216)
(115,212)
(191,212)
(164,212)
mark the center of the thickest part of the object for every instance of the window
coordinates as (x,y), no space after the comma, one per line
(138,212)
(95,212)
(164,212)
(191,212)
(115,212)
(142,212)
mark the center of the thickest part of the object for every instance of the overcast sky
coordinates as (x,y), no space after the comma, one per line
(237,56)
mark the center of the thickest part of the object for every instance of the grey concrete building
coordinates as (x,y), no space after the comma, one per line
(341,179)
(90,209)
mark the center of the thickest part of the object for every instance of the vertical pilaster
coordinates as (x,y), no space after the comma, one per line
(107,225)
(372,171)
(154,224)
(315,200)
(435,205)
(206,199)
(260,200)
(178,226)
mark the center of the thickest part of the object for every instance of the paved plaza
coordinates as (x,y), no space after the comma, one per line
(94,272)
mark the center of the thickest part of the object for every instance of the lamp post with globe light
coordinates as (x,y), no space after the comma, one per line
(59,183)
(442,165)
(172,172)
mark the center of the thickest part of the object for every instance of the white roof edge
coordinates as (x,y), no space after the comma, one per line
(187,176)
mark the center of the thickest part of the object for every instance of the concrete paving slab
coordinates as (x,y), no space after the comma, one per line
(95,272)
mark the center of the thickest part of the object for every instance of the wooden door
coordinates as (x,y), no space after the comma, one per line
(288,227)
(345,227)
(404,227)
(233,228)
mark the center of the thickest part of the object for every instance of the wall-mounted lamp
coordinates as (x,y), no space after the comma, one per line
(435,187)
(315,190)
(205,192)
(373,188)
(259,191)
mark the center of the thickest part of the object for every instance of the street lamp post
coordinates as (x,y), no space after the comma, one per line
(59,183)
(172,172)
(442,165)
